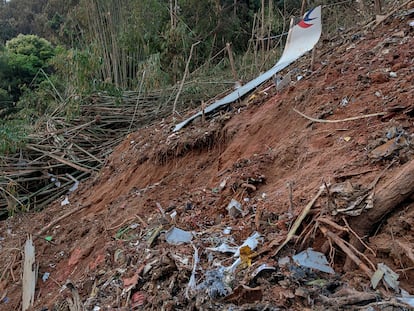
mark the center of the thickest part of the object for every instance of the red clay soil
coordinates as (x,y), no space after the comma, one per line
(113,252)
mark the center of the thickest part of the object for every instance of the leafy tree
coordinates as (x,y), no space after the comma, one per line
(20,62)
(31,45)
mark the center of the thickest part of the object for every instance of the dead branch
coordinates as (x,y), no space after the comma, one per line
(338,121)
(59,219)
(184,77)
(338,241)
(299,220)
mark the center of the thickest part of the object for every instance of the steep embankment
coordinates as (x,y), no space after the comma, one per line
(262,153)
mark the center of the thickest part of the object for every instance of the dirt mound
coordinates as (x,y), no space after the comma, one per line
(110,248)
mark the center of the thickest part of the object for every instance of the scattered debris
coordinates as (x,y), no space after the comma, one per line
(389,276)
(45,276)
(121,253)
(234,208)
(178,236)
(65,201)
(314,260)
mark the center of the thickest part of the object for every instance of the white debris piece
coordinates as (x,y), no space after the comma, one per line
(314,260)
(389,276)
(234,208)
(65,201)
(178,236)
(224,248)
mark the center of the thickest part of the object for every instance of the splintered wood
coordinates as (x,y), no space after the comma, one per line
(29,275)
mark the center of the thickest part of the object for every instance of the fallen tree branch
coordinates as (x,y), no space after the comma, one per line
(398,188)
(338,241)
(299,220)
(57,220)
(356,298)
(342,120)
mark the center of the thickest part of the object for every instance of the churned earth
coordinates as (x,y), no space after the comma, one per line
(108,249)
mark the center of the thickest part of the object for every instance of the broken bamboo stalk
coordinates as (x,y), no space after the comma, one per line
(184,77)
(299,220)
(233,67)
(62,160)
(29,275)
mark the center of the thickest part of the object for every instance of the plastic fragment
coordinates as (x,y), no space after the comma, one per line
(262,267)
(65,201)
(192,284)
(376,278)
(389,276)
(45,276)
(252,243)
(224,248)
(314,260)
(133,226)
(344,102)
(173,215)
(49,238)
(178,236)
(406,298)
(55,180)
(234,208)
(393,74)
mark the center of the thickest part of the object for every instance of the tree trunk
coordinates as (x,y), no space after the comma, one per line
(388,197)
(397,189)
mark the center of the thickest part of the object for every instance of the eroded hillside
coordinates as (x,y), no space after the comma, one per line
(110,248)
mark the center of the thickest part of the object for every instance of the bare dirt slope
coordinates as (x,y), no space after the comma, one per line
(112,253)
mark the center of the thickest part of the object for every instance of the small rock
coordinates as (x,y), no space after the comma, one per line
(379,77)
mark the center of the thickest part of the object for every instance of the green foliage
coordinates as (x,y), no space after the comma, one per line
(20,62)
(5,100)
(31,45)
(13,135)
(155,77)
(76,69)
(34,103)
